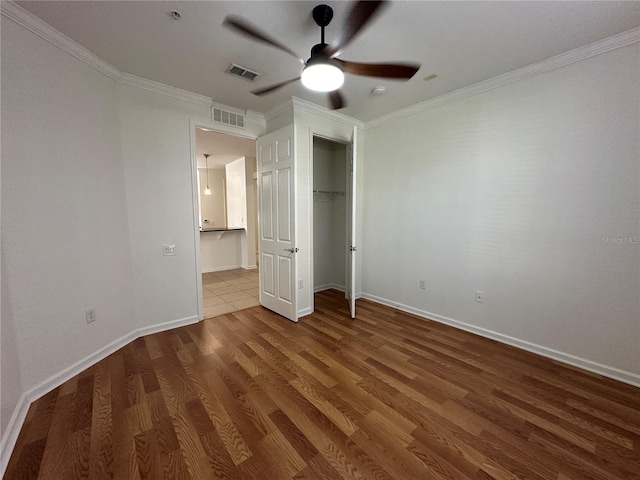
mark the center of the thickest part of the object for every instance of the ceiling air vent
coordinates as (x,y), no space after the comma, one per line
(228,118)
(242,72)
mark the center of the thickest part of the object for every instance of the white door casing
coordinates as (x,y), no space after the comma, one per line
(351,267)
(276,200)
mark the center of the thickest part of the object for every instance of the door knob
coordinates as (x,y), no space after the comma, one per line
(291,250)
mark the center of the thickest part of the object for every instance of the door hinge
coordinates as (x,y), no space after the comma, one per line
(353,249)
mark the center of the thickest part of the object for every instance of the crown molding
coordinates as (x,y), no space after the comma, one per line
(279,110)
(255,116)
(305,106)
(157,87)
(572,56)
(295,104)
(32,23)
(22,17)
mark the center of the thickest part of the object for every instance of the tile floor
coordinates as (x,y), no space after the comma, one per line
(228,291)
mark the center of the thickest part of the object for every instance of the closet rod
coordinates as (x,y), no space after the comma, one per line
(326,191)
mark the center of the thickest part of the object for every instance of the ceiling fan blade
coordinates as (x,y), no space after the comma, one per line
(272,88)
(337,100)
(401,71)
(251,31)
(360,15)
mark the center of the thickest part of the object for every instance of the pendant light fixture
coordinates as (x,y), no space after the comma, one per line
(206,163)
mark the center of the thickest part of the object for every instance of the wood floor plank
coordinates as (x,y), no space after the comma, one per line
(191,446)
(174,466)
(319,467)
(28,465)
(56,453)
(101,441)
(250,395)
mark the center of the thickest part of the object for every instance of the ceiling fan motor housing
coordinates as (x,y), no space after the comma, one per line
(317,49)
(322,15)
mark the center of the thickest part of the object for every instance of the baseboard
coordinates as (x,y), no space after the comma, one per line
(10,436)
(589,365)
(221,269)
(163,327)
(26,399)
(305,312)
(328,286)
(68,373)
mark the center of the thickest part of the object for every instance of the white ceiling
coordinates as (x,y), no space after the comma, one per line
(462,42)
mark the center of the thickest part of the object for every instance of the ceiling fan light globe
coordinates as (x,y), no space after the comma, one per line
(322,77)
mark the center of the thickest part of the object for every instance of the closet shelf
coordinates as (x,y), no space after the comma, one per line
(326,195)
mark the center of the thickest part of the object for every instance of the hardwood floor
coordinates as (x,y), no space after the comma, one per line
(249,395)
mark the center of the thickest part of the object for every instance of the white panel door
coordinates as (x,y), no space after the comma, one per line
(351,226)
(276,189)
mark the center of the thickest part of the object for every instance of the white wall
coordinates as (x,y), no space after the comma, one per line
(155,136)
(222,253)
(212,207)
(65,238)
(511,192)
(249,240)
(236,194)
(10,378)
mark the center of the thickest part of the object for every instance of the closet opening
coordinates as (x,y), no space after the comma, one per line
(331,216)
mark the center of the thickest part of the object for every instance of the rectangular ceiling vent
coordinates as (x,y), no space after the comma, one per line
(242,72)
(228,118)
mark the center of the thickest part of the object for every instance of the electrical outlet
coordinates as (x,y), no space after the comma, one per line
(169,250)
(422,285)
(90,315)
(300,284)
(479,297)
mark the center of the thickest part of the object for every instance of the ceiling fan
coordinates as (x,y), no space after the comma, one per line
(324,71)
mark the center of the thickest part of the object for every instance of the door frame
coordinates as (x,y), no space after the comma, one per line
(331,136)
(193,124)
